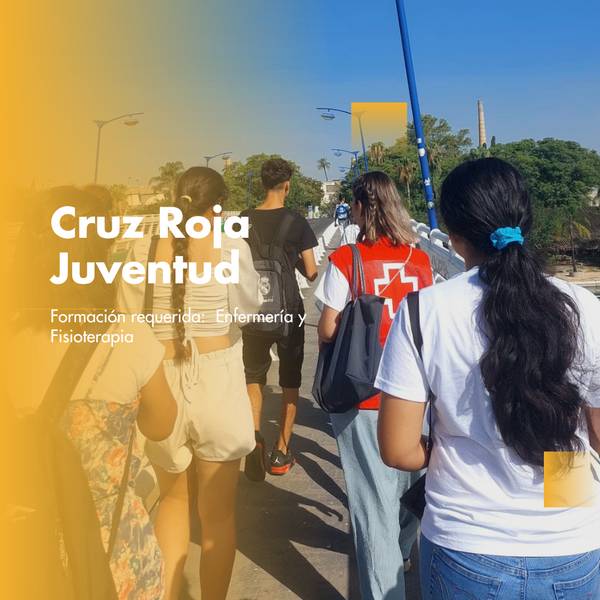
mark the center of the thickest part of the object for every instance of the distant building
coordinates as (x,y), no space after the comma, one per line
(481,123)
(330,190)
(140,196)
(594,196)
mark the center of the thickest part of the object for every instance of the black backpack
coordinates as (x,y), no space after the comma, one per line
(347,367)
(278,285)
(57,547)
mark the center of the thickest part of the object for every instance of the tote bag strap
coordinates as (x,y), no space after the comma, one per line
(116,518)
(358,273)
(415,325)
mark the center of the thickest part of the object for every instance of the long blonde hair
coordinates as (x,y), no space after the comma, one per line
(383,209)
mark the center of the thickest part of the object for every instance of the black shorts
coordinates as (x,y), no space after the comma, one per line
(290,350)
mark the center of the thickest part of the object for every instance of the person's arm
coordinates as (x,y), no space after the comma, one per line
(403,383)
(328,324)
(593,423)
(399,427)
(306,262)
(307,265)
(332,294)
(158,409)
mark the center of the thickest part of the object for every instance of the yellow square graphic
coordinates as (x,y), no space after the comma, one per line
(568,480)
(384,122)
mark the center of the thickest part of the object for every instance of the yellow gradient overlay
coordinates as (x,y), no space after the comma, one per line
(568,479)
(381,122)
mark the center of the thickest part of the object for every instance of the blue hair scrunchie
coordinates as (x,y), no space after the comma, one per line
(504,236)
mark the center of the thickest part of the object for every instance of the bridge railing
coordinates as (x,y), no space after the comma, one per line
(436,244)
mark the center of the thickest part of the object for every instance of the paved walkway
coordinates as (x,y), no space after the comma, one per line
(293,530)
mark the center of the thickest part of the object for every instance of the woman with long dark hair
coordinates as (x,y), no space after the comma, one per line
(383,532)
(512,357)
(214,427)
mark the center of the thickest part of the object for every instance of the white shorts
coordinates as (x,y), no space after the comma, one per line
(214,417)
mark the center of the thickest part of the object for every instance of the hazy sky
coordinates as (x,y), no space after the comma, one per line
(245,76)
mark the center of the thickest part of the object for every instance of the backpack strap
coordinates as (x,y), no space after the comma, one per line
(282,235)
(412,300)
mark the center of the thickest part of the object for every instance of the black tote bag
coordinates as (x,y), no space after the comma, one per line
(347,367)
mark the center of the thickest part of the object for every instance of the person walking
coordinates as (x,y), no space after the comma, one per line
(204,368)
(383,531)
(122,385)
(278,231)
(511,356)
(342,212)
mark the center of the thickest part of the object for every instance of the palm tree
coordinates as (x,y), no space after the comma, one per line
(575,228)
(324,164)
(376,152)
(167,177)
(406,174)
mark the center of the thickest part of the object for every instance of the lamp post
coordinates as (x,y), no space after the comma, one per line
(416,110)
(329,116)
(209,158)
(338,152)
(130,121)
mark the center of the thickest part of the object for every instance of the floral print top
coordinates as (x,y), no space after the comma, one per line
(101,430)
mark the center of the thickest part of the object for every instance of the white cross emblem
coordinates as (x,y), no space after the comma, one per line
(380,285)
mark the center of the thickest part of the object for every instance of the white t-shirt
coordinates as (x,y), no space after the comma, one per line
(332,290)
(123,369)
(127,367)
(481,496)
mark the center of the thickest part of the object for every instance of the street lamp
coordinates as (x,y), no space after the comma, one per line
(327,114)
(338,152)
(209,158)
(129,120)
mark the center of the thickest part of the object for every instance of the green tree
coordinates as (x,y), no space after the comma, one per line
(406,173)
(376,153)
(324,164)
(560,176)
(118,192)
(246,191)
(166,179)
(445,147)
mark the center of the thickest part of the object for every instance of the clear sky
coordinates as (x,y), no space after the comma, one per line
(245,75)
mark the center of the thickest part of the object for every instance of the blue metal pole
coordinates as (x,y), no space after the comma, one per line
(416,111)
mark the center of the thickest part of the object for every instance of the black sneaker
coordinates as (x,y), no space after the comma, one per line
(255,467)
(281,463)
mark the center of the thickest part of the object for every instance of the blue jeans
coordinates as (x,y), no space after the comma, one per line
(453,575)
(383,532)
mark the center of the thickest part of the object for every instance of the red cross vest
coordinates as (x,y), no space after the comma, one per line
(390,272)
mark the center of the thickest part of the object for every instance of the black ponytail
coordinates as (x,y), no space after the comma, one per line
(532,327)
